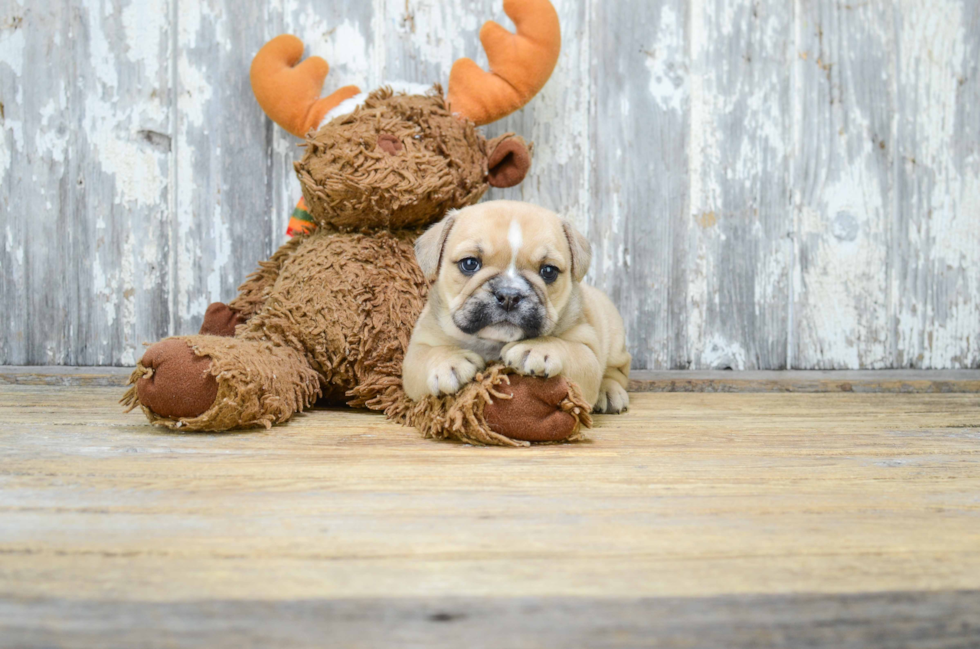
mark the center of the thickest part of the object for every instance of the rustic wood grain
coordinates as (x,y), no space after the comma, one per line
(223,176)
(844,106)
(906,620)
(805,381)
(813,505)
(766,184)
(738,256)
(639,143)
(935,245)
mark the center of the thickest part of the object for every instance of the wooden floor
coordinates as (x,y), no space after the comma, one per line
(695,520)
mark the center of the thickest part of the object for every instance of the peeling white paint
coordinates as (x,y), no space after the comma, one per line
(127,296)
(12,45)
(667,61)
(194,94)
(720,354)
(442,32)
(887,247)
(222,253)
(837,293)
(14,247)
(144,23)
(140,173)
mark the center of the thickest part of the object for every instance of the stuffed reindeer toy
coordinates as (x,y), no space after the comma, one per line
(330,314)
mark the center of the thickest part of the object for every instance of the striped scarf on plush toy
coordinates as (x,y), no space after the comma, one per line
(300,222)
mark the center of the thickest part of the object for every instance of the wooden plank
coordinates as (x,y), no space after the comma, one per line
(739,254)
(85,171)
(65,376)
(689,495)
(880,620)
(139,180)
(841,518)
(806,381)
(935,246)
(32,164)
(639,184)
(223,192)
(119,168)
(842,184)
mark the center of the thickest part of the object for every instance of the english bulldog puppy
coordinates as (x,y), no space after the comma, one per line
(506,285)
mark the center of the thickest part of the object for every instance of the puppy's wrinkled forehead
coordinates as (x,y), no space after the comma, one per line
(507,235)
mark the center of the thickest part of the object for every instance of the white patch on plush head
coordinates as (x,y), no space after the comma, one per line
(350,105)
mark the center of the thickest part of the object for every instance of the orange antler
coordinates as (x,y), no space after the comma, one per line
(520,63)
(289,95)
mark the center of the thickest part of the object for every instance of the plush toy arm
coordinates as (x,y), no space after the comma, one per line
(289,93)
(255,291)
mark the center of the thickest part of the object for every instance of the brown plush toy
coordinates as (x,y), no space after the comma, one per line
(331,313)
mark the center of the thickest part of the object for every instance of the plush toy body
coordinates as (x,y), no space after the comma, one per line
(331,313)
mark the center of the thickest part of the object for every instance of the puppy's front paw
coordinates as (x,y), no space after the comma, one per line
(448,376)
(613,399)
(530,360)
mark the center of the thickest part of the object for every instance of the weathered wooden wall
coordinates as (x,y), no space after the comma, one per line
(767,183)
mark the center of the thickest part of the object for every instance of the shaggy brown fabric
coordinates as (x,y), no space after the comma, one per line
(463,416)
(346,175)
(253,294)
(175,382)
(259,384)
(220,320)
(331,312)
(349,302)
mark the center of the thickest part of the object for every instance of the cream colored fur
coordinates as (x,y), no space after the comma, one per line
(582,338)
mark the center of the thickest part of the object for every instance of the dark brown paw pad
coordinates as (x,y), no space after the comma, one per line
(178,383)
(534,413)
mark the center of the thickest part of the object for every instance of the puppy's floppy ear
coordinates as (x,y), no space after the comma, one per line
(581,250)
(428,247)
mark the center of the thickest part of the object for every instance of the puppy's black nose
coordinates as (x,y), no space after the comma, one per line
(508,298)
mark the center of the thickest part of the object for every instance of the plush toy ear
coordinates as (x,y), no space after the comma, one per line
(581,250)
(429,247)
(509,160)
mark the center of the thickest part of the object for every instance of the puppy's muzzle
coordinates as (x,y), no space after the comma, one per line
(507,303)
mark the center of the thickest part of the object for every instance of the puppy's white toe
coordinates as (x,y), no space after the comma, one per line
(613,399)
(449,376)
(531,361)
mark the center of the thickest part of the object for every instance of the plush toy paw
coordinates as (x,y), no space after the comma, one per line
(502,408)
(533,412)
(449,376)
(613,398)
(176,382)
(531,360)
(220,320)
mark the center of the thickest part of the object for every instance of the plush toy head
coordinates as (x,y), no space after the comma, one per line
(394,160)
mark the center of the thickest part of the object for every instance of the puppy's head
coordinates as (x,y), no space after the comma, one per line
(503,270)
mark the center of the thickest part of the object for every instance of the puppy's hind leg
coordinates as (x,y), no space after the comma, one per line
(613,398)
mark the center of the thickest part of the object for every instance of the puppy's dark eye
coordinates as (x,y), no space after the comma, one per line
(469,266)
(549,273)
